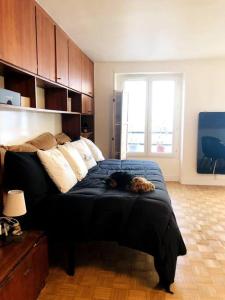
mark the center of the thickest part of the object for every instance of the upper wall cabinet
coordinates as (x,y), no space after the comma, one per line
(45,44)
(18,33)
(75,61)
(62,58)
(87,76)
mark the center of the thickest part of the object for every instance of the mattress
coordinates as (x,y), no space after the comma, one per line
(91,211)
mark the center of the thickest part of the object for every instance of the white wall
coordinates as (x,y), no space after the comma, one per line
(17,127)
(204,91)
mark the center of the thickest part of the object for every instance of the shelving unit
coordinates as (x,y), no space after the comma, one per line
(55,98)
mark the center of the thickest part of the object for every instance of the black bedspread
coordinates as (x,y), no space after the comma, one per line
(145,222)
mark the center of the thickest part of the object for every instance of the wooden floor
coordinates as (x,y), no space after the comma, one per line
(109,272)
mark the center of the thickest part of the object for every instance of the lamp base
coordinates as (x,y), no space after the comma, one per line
(6,240)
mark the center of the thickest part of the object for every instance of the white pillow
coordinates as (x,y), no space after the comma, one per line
(75,160)
(58,169)
(96,152)
(85,153)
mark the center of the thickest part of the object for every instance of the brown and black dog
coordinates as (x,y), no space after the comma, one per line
(129,182)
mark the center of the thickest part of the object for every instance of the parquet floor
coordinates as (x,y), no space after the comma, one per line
(106,271)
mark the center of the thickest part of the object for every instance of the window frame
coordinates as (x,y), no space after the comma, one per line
(176,134)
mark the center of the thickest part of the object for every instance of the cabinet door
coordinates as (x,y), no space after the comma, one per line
(61,57)
(20,283)
(87,105)
(87,76)
(18,33)
(45,44)
(74,67)
(85,70)
(40,264)
(91,78)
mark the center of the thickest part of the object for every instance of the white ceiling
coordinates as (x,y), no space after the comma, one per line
(143,30)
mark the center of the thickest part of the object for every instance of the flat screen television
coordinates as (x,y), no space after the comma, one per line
(211,143)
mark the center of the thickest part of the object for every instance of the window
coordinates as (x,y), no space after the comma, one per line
(153,114)
(136,91)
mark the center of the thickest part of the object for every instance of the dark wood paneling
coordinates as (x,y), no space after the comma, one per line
(23,84)
(87,126)
(87,105)
(87,76)
(71,125)
(56,98)
(62,58)
(24,267)
(45,44)
(85,68)
(75,101)
(40,264)
(18,33)
(91,78)
(75,60)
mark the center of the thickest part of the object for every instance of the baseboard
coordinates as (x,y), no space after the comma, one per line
(171,178)
(213,180)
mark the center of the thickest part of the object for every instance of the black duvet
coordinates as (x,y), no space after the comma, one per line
(146,222)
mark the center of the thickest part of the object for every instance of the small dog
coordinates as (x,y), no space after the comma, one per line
(129,182)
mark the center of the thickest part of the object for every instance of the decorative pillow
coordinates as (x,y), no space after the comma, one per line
(58,169)
(85,153)
(44,141)
(23,171)
(75,160)
(62,138)
(26,147)
(96,152)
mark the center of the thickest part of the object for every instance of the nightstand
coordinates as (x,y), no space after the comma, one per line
(24,267)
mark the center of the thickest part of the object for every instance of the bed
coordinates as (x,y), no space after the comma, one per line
(90,211)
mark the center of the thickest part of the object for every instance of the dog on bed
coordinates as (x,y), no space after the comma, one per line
(129,182)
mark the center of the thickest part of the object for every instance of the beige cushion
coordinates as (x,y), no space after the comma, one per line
(20,148)
(96,152)
(44,141)
(62,138)
(58,169)
(75,160)
(85,153)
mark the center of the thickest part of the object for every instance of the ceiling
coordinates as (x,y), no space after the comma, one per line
(143,30)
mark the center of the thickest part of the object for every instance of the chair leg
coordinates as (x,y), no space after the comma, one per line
(214,168)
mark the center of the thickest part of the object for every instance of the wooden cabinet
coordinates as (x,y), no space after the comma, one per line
(71,125)
(87,76)
(75,60)
(23,267)
(91,78)
(18,33)
(45,44)
(62,58)
(31,42)
(87,105)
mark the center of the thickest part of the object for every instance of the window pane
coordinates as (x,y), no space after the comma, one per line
(136,91)
(163,96)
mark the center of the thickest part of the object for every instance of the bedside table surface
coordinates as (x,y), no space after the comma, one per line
(11,254)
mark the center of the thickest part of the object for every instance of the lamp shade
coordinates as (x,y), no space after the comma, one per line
(14,205)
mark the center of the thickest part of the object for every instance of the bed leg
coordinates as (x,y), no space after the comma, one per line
(70,258)
(164,286)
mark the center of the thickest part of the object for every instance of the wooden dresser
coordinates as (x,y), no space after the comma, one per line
(24,267)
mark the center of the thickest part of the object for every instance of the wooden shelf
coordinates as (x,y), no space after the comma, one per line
(46,96)
(5,107)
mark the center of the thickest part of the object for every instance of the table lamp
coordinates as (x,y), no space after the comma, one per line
(14,206)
